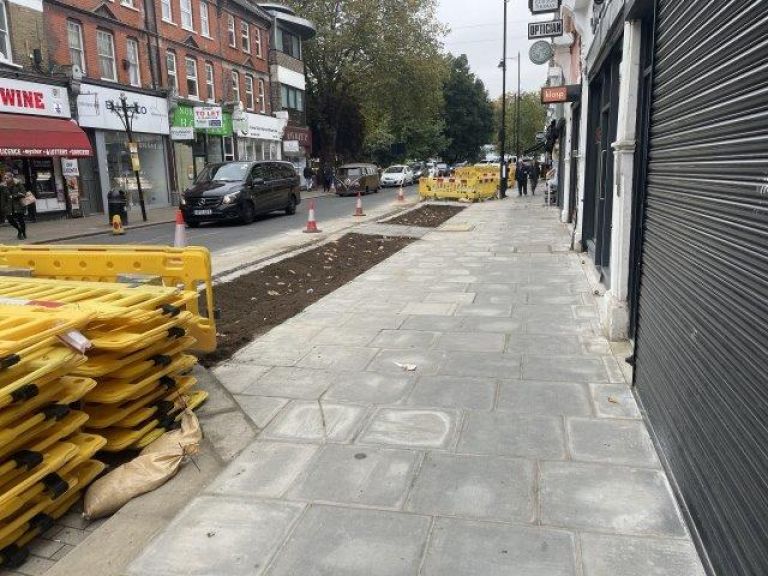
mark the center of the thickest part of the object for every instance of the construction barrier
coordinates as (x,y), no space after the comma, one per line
(463,188)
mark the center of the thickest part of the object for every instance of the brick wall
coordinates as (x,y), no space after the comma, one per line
(27,34)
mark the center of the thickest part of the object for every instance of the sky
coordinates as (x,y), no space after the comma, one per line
(477,31)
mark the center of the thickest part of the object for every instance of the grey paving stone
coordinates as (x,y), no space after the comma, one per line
(452,392)
(508,434)
(292,383)
(488,364)
(338,336)
(311,421)
(266,353)
(471,341)
(370,388)
(217,535)
(559,327)
(261,409)
(394,339)
(564,369)
(485,310)
(480,487)
(464,548)
(614,401)
(338,358)
(498,325)
(553,297)
(544,398)
(611,441)
(370,321)
(357,475)
(412,428)
(608,555)
(493,288)
(229,432)
(451,297)
(353,543)
(544,344)
(545,312)
(264,469)
(436,323)
(631,501)
(428,309)
(35,566)
(393,361)
(237,377)
(45,548)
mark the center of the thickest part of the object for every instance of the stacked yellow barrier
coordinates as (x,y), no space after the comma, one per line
(465,186)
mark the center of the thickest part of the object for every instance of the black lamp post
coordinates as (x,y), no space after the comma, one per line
(126,112)
(503,166)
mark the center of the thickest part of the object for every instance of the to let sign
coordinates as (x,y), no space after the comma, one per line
(558,94)
(546,29)
(544,6)
(208,117)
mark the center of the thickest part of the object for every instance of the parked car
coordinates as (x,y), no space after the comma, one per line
(240,191)
(354,178)
(442,170)
(397,175)
(418,170)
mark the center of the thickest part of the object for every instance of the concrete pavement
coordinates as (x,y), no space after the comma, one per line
(452,411)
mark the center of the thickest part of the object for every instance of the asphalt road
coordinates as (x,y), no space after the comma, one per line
(217,237)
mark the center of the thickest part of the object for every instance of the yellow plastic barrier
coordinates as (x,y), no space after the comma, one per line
(102,363)
(464,187)
(188,267)
(22,325)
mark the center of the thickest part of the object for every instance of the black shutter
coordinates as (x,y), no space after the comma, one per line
(702,336)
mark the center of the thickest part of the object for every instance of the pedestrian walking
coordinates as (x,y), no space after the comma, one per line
(327,178)
(11,194)
(535,175)
(308,176)
(521,175)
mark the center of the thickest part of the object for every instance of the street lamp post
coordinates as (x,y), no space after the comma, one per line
(126,112)
(504,168)
(517,121)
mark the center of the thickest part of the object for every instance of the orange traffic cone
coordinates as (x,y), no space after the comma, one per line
(180,234)
(359,205)
(401,194)
(311,222)
(117,225)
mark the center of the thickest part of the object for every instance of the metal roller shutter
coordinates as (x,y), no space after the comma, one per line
(701,368)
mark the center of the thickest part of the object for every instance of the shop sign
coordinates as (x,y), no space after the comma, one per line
(546,29)
(302,135)
(208,117)
(541,52)
(544,6)
(261,127)
(559,94)
(182,133)
(184,117)
(93,113)
(291,146)
(20,97)
(69,167)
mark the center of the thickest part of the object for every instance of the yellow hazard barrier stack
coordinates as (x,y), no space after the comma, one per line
(468,184)
(94,357)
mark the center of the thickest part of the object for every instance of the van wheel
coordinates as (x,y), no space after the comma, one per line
(247,213)
(367,190)
(290,210)
(193,224)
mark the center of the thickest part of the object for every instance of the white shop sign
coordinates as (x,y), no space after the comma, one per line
(92,110)
(261,127)
(208,116)
(182,133)
(543,6)
(291,146)
(69,167)
(20,97)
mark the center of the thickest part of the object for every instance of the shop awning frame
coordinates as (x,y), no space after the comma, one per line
(37,136)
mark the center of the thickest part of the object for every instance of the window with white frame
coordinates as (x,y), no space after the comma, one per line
(170,67)
(257,42)
(191,69)
(245,37)
(75,40)
(167,11)
(210,90)
(128,3)
(231,30)
(105,48)
(5,35)
(235,86)
(205,26)
(186,15)
(132,57)
(249,103)
(262,96)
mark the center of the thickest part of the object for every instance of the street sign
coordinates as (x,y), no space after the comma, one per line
(558,94)
(541,52)
(545,29)
(544,6)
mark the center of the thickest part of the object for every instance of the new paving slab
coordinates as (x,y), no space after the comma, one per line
(453,411)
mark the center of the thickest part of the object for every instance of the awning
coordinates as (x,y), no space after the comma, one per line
(22,135)
(536,148)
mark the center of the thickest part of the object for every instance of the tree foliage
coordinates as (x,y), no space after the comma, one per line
(533,119)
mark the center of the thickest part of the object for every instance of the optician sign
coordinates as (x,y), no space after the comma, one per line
(544,6)
(19,97)
(546,29)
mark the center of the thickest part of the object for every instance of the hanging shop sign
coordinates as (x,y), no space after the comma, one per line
(559,94)
(69,167)
(291,146)
(544,6)
(546,29)
(541,52)
(208,117)
(20,97)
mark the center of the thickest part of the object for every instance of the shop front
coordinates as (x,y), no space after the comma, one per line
(199,139)
(297,146)
(39,143)
(113,158)
(258,136)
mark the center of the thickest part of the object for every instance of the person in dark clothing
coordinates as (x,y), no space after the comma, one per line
(327,178)
(521,175)
(11,194)
(308,176)
(535,175)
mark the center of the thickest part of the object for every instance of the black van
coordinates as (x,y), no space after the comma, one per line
(240,191)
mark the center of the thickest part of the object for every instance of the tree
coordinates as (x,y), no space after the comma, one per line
(468,112)
(533,119)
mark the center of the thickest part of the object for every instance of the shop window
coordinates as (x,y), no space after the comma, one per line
(167,11)
(291,98)
(245,37)
(75,40)
(210,90)
(132,57)
(257,42)
(235,86)
(262,97)
(229,148)
(170,66)
(128,3)
(191,69)
(105,46)
(5,35)
(231,30)
(205,26)
(289,44)
(249,103)
(153,174)
(186,15)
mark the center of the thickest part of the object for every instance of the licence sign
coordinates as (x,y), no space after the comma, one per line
(203,212)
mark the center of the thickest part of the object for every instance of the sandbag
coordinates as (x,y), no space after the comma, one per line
(152,468)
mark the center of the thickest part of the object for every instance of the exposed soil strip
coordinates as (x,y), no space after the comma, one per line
(427,216)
